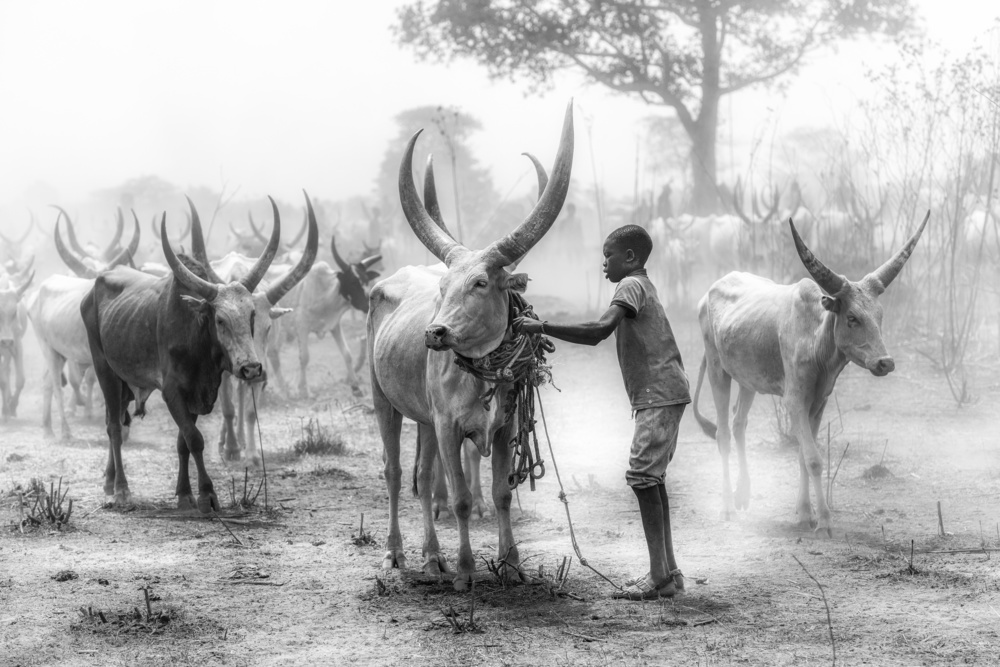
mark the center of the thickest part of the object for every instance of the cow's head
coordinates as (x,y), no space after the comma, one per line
(265,300)
(472,313)
(857,312)
(355,279)
(10,324)
(227,309)
(84,264)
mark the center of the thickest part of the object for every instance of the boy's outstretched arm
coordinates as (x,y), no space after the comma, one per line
(585,333)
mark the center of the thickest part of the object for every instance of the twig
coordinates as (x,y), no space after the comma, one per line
(260,441)
(829,499)
(216,515)
(586,638)
(940,518)
(883,451)
(829,618)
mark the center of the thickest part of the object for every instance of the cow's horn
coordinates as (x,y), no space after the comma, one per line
(830,282)
(369,262)
(127,254)
(344,266)
(431,204)
(25,285)
(886,273)
(198,243)
(74,263)
(515,245)
(183,274)
(543,178)
(113,247)
(433,237)
(253,227)
(302,230)
(256,274)
(293,277)
(71,233)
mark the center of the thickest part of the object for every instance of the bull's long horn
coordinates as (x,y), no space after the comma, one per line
(515,245)
(25,285)
(344,266)
(830,282)
(431,204)
(71,233)
(113,247)
(886,273)
(369,262)
(74,263)
(198,243)
(433,237)
(543,178)
(276,291)
(256,274)
(125,255)
(183,274)
(302,230)
(253,227)
(243,238)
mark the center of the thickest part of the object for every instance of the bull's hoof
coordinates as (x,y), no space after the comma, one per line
(207,503)
(480,507)
(435,565)
(439,505)
(356,390)
(186,502)
(806,524)
(462,581)
(122,498)
(742,496)
(48,433)
(727,514)
(230,454)
(394,559)
(823,529)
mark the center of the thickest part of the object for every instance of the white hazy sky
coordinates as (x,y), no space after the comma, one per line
(275,97)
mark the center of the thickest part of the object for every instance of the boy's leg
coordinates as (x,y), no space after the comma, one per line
(668,541)
(653,523)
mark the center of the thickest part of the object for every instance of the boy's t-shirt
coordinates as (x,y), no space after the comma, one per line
(647,352)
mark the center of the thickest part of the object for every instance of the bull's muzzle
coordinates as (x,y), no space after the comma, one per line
(251,372)
(881,367)
(434,336)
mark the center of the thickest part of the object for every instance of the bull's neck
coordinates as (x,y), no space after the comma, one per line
(828,356)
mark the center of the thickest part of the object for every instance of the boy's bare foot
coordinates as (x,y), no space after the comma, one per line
(646,589)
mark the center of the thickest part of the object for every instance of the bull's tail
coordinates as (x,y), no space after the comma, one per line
(416,466)
(706,424)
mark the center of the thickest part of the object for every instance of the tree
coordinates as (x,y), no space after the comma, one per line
(446,134)
(682,54)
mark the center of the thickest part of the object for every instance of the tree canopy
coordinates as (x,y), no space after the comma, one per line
(682,54)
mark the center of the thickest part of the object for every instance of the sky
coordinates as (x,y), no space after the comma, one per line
(271,98)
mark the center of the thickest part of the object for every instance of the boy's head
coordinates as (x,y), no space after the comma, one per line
(625,250)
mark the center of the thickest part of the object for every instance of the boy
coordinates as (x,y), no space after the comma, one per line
(657,388)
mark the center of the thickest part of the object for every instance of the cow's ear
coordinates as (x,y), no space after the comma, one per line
(372,275)
(518,282)
(831,303)
(275,313)
(194,303)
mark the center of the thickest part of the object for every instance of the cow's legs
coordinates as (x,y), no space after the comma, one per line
(434,561)
(47,391)
(508,558)
(743,402)
(274,364)
(89,378)
(189,443)
(18,377)
(390,422)
(229,449)
(345,352)
(5,390)
(721,383)
(449,438)
(810,466)
(473,460)
(112,387)
(303,341)
(440,501)
(55,363)
(251,453)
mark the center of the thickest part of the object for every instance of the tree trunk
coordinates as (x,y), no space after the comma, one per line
(705,196)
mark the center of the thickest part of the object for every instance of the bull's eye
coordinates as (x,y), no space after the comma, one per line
(481,283)
(218,321)
(852,321)
(253,318)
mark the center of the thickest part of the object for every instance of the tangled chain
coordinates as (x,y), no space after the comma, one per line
(521,362)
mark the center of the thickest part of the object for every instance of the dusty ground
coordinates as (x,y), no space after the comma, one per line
(297,589)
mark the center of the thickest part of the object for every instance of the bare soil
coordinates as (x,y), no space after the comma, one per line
(298,582)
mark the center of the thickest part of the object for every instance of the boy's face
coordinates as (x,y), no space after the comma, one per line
(618,261)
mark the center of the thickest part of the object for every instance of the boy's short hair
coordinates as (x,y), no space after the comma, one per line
(634,238)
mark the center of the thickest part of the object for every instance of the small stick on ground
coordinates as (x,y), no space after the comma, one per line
(940,519)
(216,515)
(829,618)
(885,447)
(911,558)
(829,499)
(149,608)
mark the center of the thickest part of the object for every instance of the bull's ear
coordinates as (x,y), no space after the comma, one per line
(372,275)
(518,282)
(194,303)
(831,303)
(275,313)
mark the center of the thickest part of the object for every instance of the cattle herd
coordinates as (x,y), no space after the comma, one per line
(201,331)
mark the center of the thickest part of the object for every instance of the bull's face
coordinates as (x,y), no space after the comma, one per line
(858,328)
(264,316)
(473,312)
(10,327)
(232,324)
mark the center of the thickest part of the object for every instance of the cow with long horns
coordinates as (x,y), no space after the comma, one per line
(178,334)
(791,341)
(13,322)
(418,319)
(233,440)
(54,310)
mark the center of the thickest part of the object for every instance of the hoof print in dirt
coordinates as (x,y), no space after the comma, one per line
(65,575)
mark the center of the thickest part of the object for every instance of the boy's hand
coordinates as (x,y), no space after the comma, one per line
(526,325)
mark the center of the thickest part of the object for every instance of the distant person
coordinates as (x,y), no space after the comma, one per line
(656,385)
(664,207)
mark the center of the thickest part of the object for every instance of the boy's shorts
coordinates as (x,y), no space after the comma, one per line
(653,445)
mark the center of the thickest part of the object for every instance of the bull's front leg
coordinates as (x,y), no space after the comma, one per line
(810,470)
(449,437)
(5,391)
(190,443)
(508,558)
(274,364)
(229,449)
(303,343)
(390,423)
(250,450)
(435,563)
(473,461)
(345,352)
(18,377)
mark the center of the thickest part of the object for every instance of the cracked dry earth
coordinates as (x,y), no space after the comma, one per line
(299,582)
